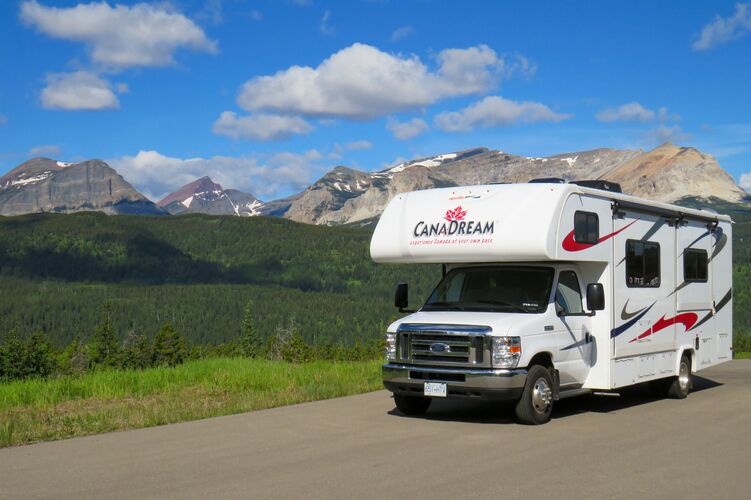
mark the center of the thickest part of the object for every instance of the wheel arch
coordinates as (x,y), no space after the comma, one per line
(542,358)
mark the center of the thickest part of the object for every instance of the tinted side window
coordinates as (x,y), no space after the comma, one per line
(695,265)
(568,294)
(642,264)
(586,227)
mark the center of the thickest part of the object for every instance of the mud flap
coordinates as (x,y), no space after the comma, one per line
(556,384)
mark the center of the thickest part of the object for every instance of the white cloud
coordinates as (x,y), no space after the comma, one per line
(49,150)
(362,82)
(256,15)
(630,112)
(407,130)
(260,126)
(723,30)
(358,145)
(665,133)
(495,111)
(157,175)
(325,27)
(3,119)
(80,90)
(402,32)
(745,182)
(120,36)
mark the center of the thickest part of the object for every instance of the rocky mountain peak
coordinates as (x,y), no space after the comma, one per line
(46,185)
(206,196)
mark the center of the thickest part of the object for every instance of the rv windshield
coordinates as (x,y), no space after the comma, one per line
(522,289)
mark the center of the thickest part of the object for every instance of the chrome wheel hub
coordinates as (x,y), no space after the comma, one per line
(542,396)
(684,377)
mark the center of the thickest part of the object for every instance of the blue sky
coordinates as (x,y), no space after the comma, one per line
(266,96)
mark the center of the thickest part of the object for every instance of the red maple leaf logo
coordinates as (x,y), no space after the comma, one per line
(455,214)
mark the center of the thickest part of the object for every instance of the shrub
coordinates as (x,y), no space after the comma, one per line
(169,347)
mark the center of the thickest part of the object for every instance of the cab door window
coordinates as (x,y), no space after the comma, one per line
(568,295)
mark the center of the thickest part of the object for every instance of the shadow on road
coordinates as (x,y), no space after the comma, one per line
(480,412)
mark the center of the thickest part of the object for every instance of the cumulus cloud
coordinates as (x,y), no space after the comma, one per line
(667,133)
(402,32)
(723,30)
(630,112)
(745,182)
(157,175)
(358,145)
(407,130)
(260,126)
(49,150)
(80,90)
(120,36)
(495,111)
(362,82)
(337,152)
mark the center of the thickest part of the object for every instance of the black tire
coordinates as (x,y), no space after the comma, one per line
(536,404)
(412,405)
(679,386)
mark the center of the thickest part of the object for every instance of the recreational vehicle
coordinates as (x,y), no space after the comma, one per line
(551,290)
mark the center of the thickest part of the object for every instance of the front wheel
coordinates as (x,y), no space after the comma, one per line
(412,405)
(679,386)
(536,403)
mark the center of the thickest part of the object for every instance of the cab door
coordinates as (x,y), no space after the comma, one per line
(573,325)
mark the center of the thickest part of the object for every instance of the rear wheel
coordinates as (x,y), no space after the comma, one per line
(412,405)
(536,403)
(679,386)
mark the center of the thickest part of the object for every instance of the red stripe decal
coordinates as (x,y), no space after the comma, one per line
(688,320)
(570,245)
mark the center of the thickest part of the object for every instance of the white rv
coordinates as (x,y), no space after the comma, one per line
(553,290)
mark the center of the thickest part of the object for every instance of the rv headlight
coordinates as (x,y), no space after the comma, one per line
(506,351)
(390,346)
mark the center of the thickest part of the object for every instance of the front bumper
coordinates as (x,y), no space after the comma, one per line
(484,384)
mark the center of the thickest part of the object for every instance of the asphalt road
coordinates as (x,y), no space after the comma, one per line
(632,446)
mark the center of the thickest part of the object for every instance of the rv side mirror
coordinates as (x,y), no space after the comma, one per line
(401,296)
(595,297)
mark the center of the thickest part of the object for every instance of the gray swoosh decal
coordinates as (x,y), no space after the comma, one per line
(652,230)
(722,240)
(628,315)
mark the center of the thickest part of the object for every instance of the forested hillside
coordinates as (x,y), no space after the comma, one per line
(197,272)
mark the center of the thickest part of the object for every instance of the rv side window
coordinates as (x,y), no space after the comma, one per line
(642,264)
(695,265)
(568,294)
(586,227)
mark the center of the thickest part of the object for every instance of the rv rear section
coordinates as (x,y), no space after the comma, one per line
(553,290)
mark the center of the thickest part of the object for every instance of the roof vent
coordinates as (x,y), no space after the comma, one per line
(613,187)
(548,180)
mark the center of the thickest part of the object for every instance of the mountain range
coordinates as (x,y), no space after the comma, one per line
(344,195)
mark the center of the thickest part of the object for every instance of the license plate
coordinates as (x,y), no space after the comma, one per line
(435,389)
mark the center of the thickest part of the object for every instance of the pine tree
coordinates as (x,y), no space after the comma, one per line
(39,357)
(12,357)
(136,353)
(103,348)
(169,347)
(250,340)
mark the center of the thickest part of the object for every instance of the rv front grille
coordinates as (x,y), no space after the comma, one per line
(443,345)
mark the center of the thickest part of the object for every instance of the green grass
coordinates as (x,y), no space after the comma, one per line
(742,355)
(42,410)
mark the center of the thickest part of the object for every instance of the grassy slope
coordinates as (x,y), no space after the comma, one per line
(43,410)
